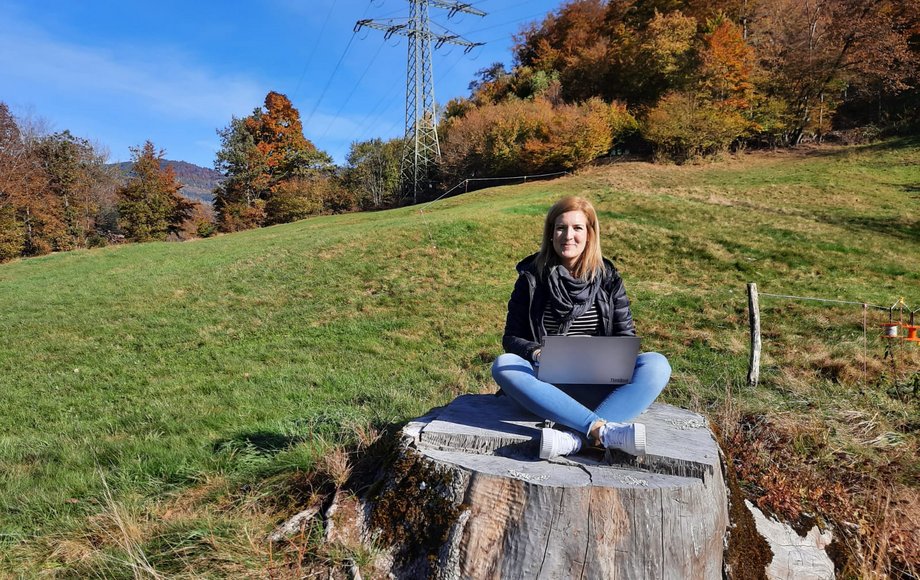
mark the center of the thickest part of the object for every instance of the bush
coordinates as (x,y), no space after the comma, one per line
(12,235)
(682,127)
(291,200)
(299,198)
(239,216)
(518,137)
(771,121)
(206,229)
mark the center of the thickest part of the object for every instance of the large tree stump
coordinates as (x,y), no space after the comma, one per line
(504,513)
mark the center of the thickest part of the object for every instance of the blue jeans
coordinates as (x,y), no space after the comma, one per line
(571,405)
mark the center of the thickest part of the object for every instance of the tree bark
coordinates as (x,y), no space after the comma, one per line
(583,516)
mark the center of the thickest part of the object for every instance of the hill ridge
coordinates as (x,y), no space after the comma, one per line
(198,182)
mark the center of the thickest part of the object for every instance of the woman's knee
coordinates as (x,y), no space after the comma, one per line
(657,365)
(507,361)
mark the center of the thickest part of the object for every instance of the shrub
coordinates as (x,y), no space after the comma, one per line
(299,198)
(238,216)
(292,200)
(12,235)
(771,121)
(522,137)
(682,126)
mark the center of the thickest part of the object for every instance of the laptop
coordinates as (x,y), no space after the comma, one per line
(592,360)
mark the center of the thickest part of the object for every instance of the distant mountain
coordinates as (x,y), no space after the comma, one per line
(198,182)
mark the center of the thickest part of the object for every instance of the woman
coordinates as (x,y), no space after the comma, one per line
(569,288)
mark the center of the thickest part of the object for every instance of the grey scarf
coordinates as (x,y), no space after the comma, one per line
(570,297)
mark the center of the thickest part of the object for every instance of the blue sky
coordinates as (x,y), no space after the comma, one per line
(121,72)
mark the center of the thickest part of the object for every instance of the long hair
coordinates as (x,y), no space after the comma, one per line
(591,262)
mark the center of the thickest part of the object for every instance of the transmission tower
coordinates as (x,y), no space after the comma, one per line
(421,151)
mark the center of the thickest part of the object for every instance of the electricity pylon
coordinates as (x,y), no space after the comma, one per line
(421,151)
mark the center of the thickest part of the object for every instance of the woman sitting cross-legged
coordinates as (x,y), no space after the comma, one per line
(569,288)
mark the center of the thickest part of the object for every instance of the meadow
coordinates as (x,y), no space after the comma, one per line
(166,404)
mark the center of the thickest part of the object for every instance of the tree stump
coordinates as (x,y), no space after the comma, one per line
(501,512)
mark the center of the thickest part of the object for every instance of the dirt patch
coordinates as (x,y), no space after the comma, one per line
(747,553)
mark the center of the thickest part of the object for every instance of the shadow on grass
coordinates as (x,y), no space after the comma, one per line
(261,442)
(903,229)
(834,150)
(830,151)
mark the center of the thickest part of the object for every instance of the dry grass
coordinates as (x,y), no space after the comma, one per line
(784,460)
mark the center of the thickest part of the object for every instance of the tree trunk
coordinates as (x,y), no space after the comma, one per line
(507,514)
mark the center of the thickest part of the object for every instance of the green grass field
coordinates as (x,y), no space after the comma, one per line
(162,401)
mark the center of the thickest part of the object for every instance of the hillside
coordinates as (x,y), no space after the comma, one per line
(178,400)
(198,182)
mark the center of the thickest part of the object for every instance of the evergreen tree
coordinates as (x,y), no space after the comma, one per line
(149,204)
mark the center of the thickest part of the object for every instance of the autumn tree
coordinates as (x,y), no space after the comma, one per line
(727,66)
(31,216)
(491,85)
(518,137)
(15,166)
(200,222)
(149,203)
(817,53)
(654,59)
(262,155)
(571,44)
(239,200)
(80,181)
(372,172)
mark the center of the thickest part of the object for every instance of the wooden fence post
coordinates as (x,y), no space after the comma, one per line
(754,315)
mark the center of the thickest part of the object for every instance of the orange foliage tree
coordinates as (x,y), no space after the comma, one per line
(266,155)
(55,190)
(30,215)
(726,66)
(530,136)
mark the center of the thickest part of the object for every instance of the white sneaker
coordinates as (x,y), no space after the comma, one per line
(554,443)
(628,437)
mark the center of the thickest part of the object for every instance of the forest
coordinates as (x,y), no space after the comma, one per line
(672,80)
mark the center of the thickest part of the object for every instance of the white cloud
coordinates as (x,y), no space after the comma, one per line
(160,79)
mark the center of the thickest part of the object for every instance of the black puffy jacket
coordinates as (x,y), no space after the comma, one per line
(524,328)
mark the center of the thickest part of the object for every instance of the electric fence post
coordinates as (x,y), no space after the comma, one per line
(754,316)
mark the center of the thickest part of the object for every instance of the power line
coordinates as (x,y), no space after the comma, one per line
(313,50)
(384,104)
(421,148)
(353,89)
(336,69)
(332,76)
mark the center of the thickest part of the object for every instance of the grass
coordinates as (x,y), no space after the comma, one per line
(167,404)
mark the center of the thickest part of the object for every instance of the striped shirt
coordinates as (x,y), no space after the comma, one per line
(584,325)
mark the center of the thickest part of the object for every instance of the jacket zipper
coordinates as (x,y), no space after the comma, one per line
(531,287)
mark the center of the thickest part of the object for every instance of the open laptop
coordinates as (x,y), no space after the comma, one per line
(593,360)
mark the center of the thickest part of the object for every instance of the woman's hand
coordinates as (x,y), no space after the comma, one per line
(535,355)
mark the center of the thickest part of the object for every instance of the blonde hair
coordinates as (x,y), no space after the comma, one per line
(591,262)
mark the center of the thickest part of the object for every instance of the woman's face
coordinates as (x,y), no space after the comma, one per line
(570,235)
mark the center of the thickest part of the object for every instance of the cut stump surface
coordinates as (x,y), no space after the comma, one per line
(661,516)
